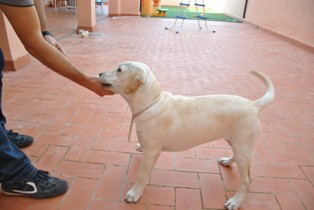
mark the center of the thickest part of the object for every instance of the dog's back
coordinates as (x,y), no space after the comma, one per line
(206,118)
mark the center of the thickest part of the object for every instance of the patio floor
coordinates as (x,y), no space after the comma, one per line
(83,138)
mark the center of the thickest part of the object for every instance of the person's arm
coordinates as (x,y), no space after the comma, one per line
(25,23)
(39,5)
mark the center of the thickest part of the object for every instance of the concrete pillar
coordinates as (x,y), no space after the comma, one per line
(15,54)
(124,7)
(86,16)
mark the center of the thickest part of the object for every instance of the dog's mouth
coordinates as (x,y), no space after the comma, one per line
(103,81)
(106,85)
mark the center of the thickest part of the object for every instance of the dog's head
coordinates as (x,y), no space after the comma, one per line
(126,79)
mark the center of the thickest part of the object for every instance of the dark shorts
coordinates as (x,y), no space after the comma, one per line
(18,3)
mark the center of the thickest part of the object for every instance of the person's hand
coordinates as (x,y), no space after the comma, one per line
(97,87)
(51,40)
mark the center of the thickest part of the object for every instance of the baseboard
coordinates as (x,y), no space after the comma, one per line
(282,37)
(121,14)
(85,28)
(17,63)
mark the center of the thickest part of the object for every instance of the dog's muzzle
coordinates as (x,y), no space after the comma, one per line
(103,82)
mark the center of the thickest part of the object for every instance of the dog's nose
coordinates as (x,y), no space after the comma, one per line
(100,74)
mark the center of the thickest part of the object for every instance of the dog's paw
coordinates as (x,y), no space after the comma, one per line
(138,147)
(235,202)
(225,161)
(232,204)
(132,196)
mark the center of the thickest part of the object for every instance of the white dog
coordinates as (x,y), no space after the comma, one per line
(166,122)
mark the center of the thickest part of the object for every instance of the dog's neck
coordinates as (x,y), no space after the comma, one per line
(145,96)
(155,101)
(138,104)
(158,98)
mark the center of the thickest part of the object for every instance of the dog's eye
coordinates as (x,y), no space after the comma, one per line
(119,70)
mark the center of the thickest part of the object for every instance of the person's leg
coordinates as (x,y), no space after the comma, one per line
(2,65)
(19,140)
(14,165)
(13,161)
(19,177)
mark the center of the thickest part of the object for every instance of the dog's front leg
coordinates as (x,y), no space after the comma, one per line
(148,162)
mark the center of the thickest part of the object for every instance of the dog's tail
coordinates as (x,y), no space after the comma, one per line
(270,93)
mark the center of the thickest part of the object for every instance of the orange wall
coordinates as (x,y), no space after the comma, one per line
(291,18)
(124,7)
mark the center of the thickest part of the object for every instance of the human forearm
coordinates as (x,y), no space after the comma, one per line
(44,27)
(39,5)
(53,59)
(29,31)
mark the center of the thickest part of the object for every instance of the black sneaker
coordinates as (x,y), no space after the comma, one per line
(20,140)
(42,185)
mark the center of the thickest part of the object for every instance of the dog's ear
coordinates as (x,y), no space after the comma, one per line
(134,81)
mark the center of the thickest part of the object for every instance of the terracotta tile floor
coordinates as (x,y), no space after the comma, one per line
(83,138)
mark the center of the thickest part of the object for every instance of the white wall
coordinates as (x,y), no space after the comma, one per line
(214,4)
(233,7)
(170,2)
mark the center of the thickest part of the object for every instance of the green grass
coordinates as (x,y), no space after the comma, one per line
(190,13)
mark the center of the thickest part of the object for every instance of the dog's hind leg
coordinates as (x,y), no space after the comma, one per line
(138,147)
(224,161)
(242,156)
